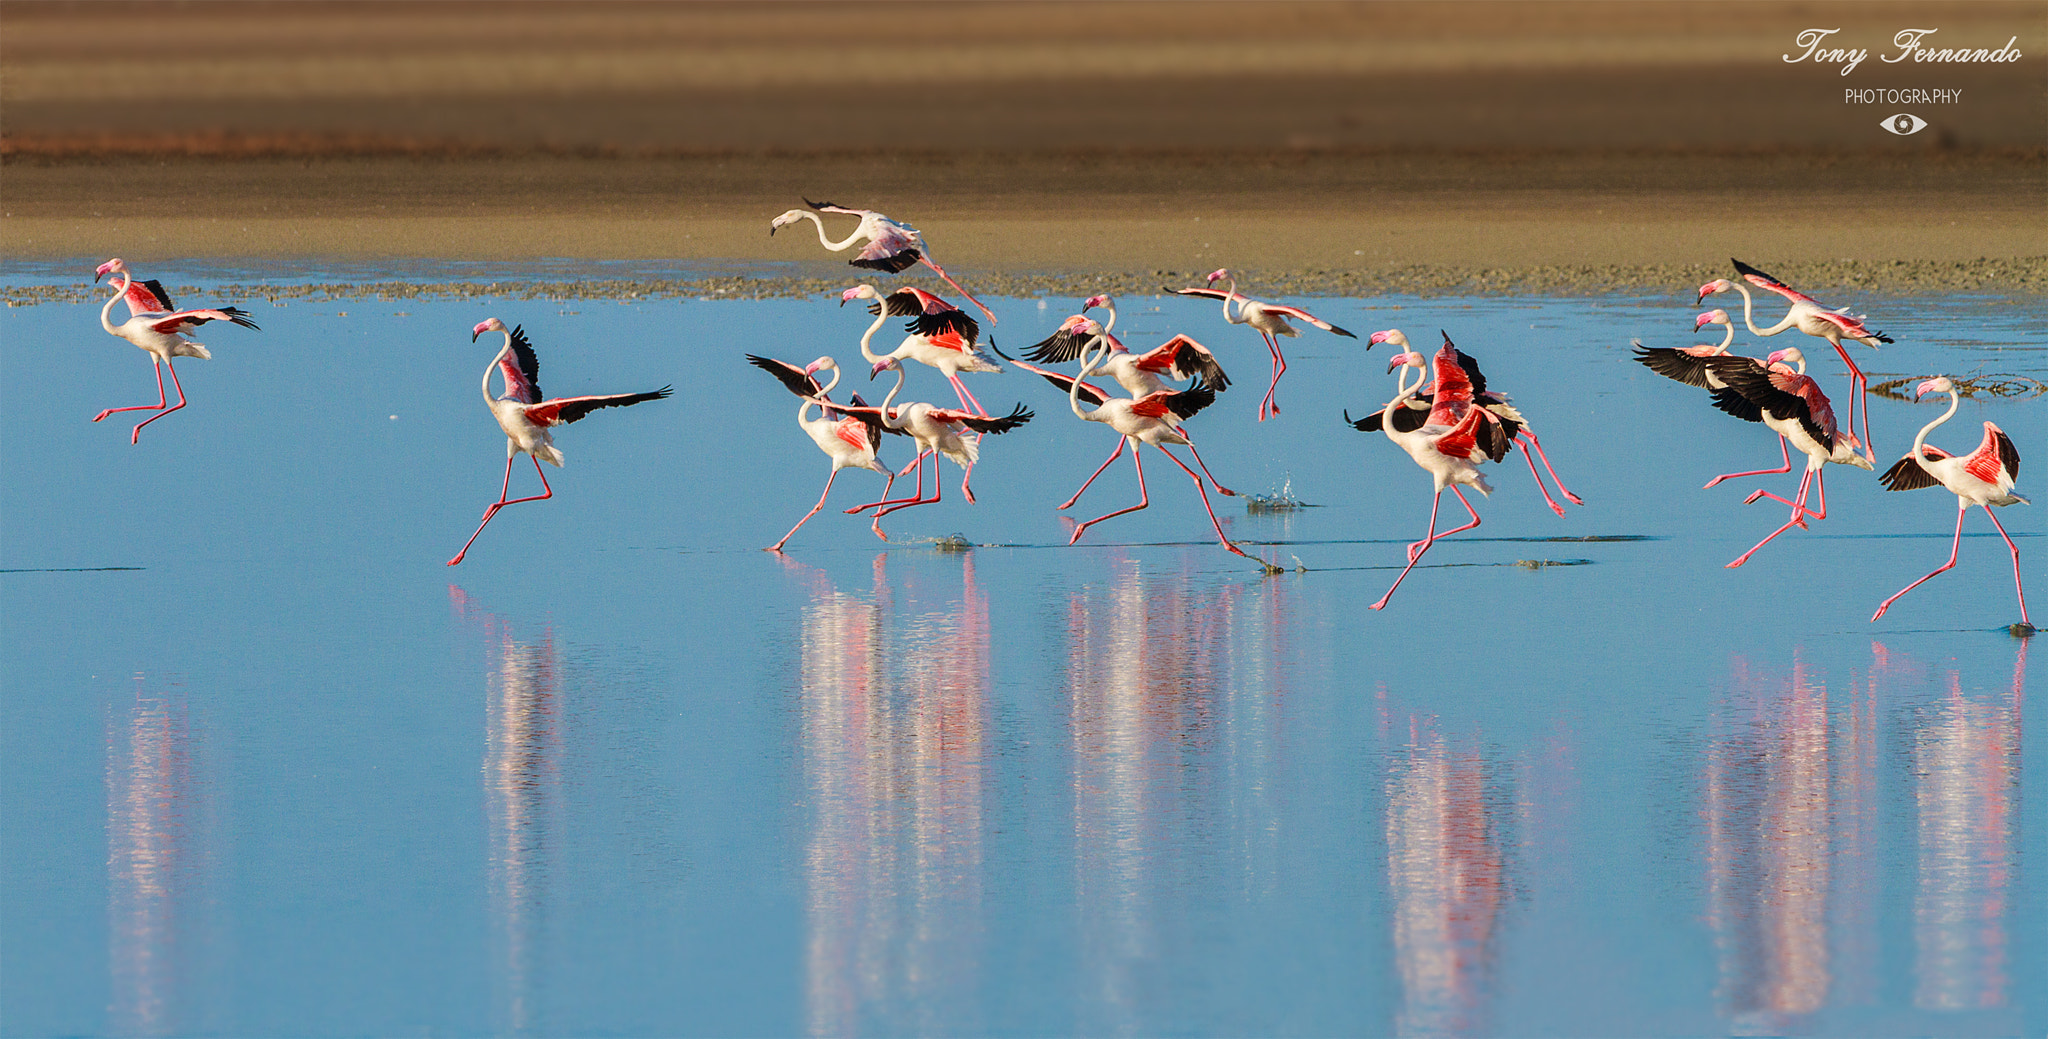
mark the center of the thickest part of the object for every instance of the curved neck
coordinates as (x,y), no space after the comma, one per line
(1107,326)
(493,366)
(890,401)
(1955,400)
(827,242)
(868,337)
(805,407)
(1727,340)
(1089,359)
(1231,294)
(106,312)
(1751,321)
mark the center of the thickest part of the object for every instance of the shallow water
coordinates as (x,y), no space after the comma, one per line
(270,766)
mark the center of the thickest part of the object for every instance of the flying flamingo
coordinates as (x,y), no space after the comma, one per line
(527,419)
(892,246)
(941,335)
(1271,321)
(1414,415)
(1449,446)
(1689,366)
(1793,405)
(1151,420)
(159,328)
(1983,477)
(849,439)
(1808,316)
(1139,374)
(937,431)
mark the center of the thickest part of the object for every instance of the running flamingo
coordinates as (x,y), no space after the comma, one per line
(1098,397)
(1795,408)
(1689,366)
(1808,316)
(159,328)
(1449,446)
(1139,374)
(892,246)
(1152,419)
(941,335)
(937,431)
(1983,477)
(527,419)
(1513,423)
(850,440)
(1271,321)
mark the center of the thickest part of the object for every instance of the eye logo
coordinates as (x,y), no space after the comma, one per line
(1904,124)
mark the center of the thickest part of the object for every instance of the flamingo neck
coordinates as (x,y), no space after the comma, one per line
(827,242)
(1089,359)
(1727,340)
(106,312)
(805,407)
(493,366)
(1955,400)
(867,338)
(1231,294)
(1751,321)
(890,401)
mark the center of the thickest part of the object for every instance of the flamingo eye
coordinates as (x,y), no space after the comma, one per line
(1904,124)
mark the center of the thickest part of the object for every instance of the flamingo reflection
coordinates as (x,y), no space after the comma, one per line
(895,704)
(522,803)
(158,849)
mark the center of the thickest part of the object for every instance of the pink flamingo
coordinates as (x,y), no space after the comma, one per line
(1983,477)
(158,328)
(1808,316)
(527,419)
(1689,366)
(937,431)
(1152,419)
(1096,396)
(1794,407)
(1450,445)
(892,246)
(849,439)
(941,335)
(1418,407)
(1270,319)
(1139,374)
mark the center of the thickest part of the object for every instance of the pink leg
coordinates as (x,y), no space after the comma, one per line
(1267,405)
(1799,514)
(1954,547)
(1561,488)
(2022,592)
(1859,391)
(938,491)
(136,435)
(547,491)
(1540,489)
(927,261)
(162,401)
(915,463)
(1143,500)
(1098,472)
(1786,468)
(1429,540)
(1205,501)
(777,547)
(1820,484)
(964,478)
(1220,489)
(1422,546)
(966,399)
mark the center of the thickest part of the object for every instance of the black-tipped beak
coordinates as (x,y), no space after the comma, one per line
(842,301)
(474,336)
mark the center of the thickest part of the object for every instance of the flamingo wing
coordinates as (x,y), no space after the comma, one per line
(563,410)
(829,207)
(799,382)
(1413,415)
(1852,326)
(1088,392)
(1297,312)
(891,251)
(929,314)
(1003,424)
(1204,293)
(1074,335)
(1682,365)
(1462,440)
(1182,403)
(1994,457)
(1183,358)
(1471,367)
(1771,395)
(1906,474)
(1510,420)
(187,320)
(1764,281)
(521,369)
(148,297)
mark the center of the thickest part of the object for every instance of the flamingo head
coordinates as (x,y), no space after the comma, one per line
(1096,301)
(1789,355)
(1407,357)
(1717,285)
(862,291)
(784,220)
(1391,335)
(1081,324)
(113,266)
(1711,317)
(886,364)
(1938,384)
(489,324)
(1218,274)
(821,364)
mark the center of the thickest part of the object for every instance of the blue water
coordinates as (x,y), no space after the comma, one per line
(271,767)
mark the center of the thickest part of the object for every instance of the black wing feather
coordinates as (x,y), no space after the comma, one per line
(529,362)
(568,413)
(793,377)
(1751,380)
(1191,400)
(163,299)
(1060,347)
(1907,475)
(891,264)
(1004,424)
(2008,455)
(1673,363)
(1471,367)
(1746,269)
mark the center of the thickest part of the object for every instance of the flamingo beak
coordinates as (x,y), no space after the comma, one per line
(474,336)
(876,370)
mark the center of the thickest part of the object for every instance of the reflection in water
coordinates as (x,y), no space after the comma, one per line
(522,805)
(157,854)
(895,706)
(1446,881)
(1966,755)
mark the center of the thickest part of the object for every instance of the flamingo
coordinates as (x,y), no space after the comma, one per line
(155,325)
(1139,374)
(1270,319)
(937,431)
(1152,419)
(892,246)
(1450,445)
(850,440)
(1808,316)
(1793,405)
(1097,397)
(527,419)
(1983,477)
(1512,421)
(1689,366)
(940,335)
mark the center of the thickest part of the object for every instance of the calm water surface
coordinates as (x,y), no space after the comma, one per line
(270,767)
